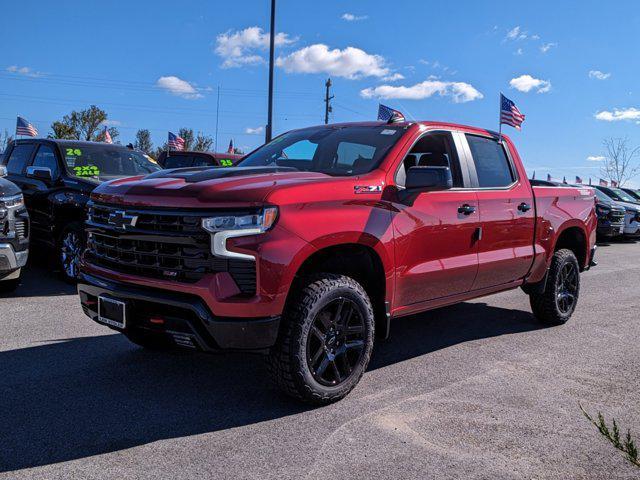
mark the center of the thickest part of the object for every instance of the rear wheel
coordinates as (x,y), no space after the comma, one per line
(70,246)
(557,303)
(325,342)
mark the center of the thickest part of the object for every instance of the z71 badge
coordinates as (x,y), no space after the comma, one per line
(367,189)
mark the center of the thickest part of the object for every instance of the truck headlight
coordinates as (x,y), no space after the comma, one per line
(262,221)
(6,203)
(223,227)
(602,210)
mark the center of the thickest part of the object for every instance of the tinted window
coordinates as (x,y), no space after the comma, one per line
(105,162)
(316,149)
(19,158)
(46,158)
(178,161)
(203,161)
(492,165)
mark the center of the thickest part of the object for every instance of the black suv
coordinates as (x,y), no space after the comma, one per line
(56,178)
(14,234)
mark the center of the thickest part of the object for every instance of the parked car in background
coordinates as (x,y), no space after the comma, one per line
(322,236)
(14,234)
(632,209)
(633,193)
(611,216)
(56,178)
(182,159)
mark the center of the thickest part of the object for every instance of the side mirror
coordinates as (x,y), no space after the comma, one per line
(41,173)
(427,179)
(3,171)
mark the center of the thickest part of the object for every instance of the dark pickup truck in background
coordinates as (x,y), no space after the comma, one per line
(182,159)
(317,240)
(56,178)
(14,234)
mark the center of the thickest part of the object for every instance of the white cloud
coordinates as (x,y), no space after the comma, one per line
(394,77)
(349,63)
(112,123)
(598,75)
(254,131)
(350,17)
(526,83)
(24,71)
(459,92)
(544,48)
(177,86)
(595,158)
(239,48)
(619,115)
(516,33)
(518,52)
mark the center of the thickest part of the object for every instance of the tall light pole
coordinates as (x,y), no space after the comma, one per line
(272,33)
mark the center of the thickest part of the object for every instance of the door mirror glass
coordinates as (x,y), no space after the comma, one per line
(428,179)
(41,173)
(3,171)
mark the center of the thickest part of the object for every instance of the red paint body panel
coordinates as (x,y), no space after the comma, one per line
(431,254)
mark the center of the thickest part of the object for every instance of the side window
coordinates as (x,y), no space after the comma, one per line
(435,149)
(355,156)
(46,158)
(20,156)
(492,165)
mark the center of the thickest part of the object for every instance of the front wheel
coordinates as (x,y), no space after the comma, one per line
(9,286)
(557,303)
(325,341)
(70,246)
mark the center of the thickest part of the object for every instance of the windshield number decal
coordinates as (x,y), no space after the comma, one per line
(225,162)
(86,171)
(74,152)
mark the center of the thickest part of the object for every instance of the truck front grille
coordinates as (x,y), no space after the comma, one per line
(163,244)
(22,229)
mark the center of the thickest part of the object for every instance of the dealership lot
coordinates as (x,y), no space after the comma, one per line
(478,390)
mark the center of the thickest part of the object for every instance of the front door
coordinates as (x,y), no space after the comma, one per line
(435,232)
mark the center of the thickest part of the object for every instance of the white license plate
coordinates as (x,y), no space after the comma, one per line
(112,312)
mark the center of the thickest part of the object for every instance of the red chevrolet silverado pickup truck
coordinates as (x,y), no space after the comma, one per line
(317,240)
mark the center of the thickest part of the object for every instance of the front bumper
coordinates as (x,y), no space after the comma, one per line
(10,260)
(184,318)
(610,230)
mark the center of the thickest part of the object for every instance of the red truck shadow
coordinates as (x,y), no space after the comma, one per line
(101,394)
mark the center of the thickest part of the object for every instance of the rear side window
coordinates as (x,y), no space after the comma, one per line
(19,158)
(492,165)
(46,158)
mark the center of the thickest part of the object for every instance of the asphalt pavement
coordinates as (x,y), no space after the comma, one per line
(475,391)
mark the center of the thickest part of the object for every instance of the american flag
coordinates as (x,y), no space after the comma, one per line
(603,183)
(614,184)
(509,113)
(230,149)
(387,114)
(578,180)
(175,142)
(23,127)
(107,135)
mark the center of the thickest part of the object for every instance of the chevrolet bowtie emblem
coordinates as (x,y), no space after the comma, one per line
(120,219)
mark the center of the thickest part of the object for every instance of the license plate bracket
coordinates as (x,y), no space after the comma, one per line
(112,312)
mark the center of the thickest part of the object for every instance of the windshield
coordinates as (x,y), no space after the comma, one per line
(351,150)
(633,193)
(103,162)
(602,196)
(623,196)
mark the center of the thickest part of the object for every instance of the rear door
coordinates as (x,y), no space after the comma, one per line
(507,213)
(436,247)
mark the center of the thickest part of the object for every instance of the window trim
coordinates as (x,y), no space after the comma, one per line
(459,148)
(55,156)
(472,165)
(18,143)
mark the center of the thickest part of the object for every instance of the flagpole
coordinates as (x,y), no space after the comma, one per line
(500,120)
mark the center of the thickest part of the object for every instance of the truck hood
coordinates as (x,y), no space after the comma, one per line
(203,187)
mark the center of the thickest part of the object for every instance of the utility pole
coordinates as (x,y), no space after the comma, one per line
(215,148)
(327,100)
(272,33)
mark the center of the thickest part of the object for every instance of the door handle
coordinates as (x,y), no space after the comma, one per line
(524,207)
(466,209)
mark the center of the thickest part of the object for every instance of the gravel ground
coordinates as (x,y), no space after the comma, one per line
(474,391)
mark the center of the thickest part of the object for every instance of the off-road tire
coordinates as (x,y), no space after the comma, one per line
(287,360)
(545,305)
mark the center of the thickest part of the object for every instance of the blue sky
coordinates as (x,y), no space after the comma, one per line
(158,65)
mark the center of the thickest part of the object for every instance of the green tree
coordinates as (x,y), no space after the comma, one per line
(143,141)
(202,143)
(83,125)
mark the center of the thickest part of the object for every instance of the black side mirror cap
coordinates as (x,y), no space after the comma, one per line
(426,179)
(41,173)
